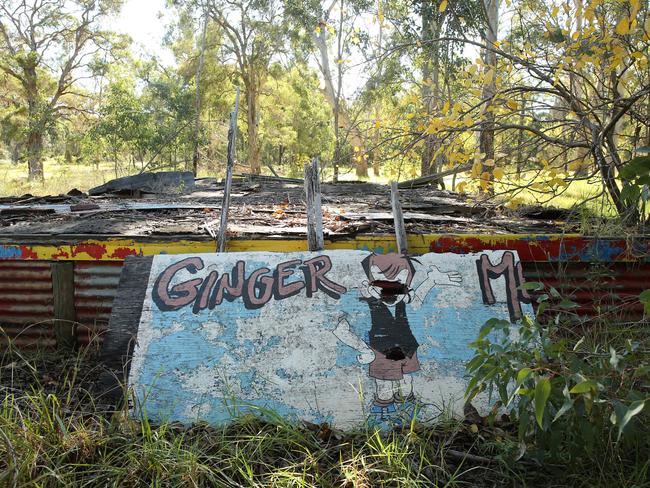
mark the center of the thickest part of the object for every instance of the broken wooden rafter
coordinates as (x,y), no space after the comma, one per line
(232,137)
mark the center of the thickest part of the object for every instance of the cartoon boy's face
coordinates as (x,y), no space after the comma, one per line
(390,277)
(389,291)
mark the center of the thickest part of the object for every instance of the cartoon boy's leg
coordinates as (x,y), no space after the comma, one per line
(403,388)
(382,409)
(404,397)
(385,390)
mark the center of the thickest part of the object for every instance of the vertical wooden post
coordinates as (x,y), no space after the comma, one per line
(225,205)
(315,238)
(398,218)
(65,315)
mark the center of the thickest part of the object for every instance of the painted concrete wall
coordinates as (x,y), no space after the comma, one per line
(341,337)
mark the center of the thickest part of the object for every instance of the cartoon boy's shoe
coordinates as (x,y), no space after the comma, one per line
(383,414)
(408,406)
(383,410)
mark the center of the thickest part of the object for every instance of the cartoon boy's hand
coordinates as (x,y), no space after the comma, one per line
(363,290)
(445,278)
(366,357)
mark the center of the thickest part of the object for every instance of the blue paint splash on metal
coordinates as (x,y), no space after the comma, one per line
(377,249)
(10,252)
(597,250)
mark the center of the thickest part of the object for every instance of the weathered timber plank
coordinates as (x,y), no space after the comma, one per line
(400,230)
(314,212)
(122,329)
(343,337)
(64,310)
(225,206)
(406,215)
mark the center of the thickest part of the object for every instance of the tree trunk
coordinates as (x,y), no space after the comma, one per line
(197,100)
(333,96)
(280,156)
(647,125)
(427,21)
(607,173)
(431,94)
(375,149)
(374,157)
(36,126)
(486,138)
(337,148)
(361,162)
(520,139)
(35,154)
(252,119)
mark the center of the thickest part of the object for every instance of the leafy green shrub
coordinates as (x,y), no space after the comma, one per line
(568,399)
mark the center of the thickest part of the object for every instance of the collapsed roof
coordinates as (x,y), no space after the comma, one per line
(262,207)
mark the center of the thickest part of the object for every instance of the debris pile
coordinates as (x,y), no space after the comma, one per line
(261,207)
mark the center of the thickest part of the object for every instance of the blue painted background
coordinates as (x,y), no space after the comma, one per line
(283,357)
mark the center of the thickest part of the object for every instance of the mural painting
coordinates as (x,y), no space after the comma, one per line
(343,337)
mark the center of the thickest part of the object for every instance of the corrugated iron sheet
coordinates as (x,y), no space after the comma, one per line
(95,287)
(601,290)
(26,303)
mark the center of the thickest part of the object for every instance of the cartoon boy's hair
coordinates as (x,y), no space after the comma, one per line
(390,265)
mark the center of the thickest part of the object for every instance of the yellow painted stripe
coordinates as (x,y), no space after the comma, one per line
(116,249)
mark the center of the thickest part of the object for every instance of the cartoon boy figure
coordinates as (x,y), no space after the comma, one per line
(391,348)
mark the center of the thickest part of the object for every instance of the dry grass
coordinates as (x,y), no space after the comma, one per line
(59,178)
(54,434)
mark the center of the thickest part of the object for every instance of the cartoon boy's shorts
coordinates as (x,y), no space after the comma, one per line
(383,368)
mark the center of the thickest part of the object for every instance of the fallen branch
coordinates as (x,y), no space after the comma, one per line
(425,180)
(465,456)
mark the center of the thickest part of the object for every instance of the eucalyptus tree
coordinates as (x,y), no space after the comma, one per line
(49,47)
(296,119)
(331,36)
(147,119)
(196,41)
(486,134)
(254,34)
(439,60)
(575,79)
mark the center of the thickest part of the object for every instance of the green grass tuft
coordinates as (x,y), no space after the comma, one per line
(52,433)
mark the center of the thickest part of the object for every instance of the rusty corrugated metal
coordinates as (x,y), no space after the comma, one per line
(39,335)
(95,287)
(26,303)
(603,291)
(26,306)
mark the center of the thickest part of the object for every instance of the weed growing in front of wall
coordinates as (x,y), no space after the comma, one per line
(570,400)
(55,432)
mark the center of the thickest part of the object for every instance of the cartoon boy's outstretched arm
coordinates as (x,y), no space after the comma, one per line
(435,277)
(347,337)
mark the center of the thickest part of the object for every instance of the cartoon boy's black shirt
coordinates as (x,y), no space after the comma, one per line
(390,334)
